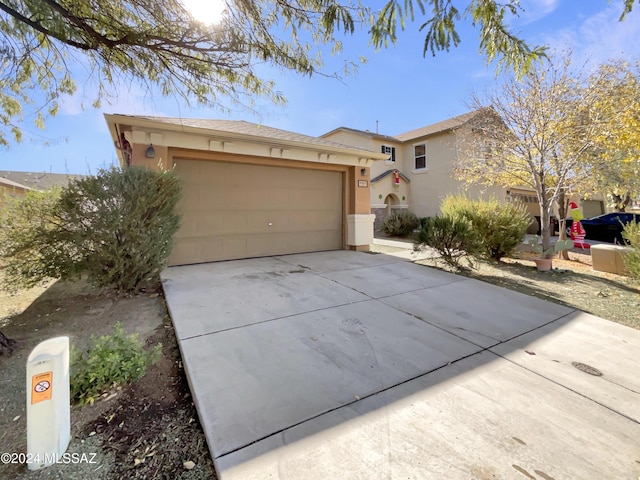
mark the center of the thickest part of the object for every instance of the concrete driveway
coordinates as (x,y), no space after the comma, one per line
(347,365)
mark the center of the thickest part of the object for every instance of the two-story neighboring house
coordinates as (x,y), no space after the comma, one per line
(418,173)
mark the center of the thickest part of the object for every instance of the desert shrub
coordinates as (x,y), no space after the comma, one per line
(453,238)
(116,228)
(500,225)
(400,223)
(631,258)
(109,361)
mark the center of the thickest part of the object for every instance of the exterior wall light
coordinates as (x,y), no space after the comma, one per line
(151,152)
(363,172)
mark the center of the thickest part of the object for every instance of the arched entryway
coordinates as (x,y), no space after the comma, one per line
(392,201)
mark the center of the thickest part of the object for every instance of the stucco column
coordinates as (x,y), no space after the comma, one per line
(359,218)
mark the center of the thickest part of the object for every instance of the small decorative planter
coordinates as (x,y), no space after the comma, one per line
(544,264)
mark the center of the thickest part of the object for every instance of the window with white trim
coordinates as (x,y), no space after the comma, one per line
(391,151)
(420,156)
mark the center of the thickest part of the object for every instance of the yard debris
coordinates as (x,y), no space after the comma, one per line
(530,352)
(188,465)
(110,396)
(16,418)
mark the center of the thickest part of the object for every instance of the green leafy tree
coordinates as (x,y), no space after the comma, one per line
(160,44)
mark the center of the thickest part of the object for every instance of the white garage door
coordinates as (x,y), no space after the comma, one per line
(234,210)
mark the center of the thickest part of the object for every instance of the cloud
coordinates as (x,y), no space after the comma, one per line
(601,37)
(534,10)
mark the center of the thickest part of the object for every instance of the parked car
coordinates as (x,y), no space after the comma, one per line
(608,227)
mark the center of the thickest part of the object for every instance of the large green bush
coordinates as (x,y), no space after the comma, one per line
(631,258)
(453,238)
(501,226)
(116,228)
(109,361)
(400,223)
(28,253)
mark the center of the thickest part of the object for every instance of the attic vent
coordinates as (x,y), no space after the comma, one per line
(391,151)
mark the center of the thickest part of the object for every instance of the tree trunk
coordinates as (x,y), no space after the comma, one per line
(545,232)
(6,344)
(620,204)
(563,207)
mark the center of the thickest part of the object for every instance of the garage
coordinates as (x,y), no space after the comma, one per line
(233,210)
(250,190)
(592,208)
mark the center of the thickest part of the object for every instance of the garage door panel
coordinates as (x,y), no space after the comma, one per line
(209,222)
(210,196)
(233,246)
(188,229)
(185,251)
(197,224)
(233,223)
(301,220)
(277,199)
(191,196)
(227,208)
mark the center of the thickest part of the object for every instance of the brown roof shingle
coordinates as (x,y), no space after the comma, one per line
(247,128)
(439,127)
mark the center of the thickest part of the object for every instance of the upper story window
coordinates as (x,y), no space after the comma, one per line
(420,156)
(391,151)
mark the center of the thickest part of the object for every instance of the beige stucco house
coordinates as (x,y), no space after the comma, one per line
(250,190)
(418,170)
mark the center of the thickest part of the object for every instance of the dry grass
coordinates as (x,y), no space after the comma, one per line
(572,282)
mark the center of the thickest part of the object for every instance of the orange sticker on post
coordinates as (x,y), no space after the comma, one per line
(41,385)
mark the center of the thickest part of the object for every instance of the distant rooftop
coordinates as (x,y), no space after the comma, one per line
(365,133)
(38,180)
(439,127)
(443,126)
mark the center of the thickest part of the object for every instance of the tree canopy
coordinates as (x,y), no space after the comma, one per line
(558,131)
(616,148)
(159,43)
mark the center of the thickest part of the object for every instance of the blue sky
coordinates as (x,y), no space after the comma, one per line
(397,87)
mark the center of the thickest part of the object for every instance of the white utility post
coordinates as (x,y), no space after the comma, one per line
(48,406)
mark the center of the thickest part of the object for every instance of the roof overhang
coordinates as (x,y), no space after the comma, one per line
(143,130)
(10,183)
